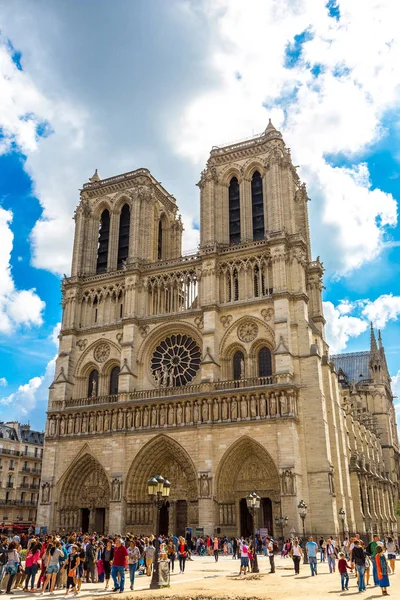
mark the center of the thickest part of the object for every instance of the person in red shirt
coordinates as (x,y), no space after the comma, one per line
(120,562)
(344,576)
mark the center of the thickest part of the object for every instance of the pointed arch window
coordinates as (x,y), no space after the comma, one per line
(238,365)
(104,238)
(257,205)
(114,381)
(264,362)
(234,211)
(160,241)
(93,384)
(123,240)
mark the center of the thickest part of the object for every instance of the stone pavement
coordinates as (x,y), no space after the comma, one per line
(204,579)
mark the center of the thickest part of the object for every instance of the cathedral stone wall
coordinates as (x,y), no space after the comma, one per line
(210,368)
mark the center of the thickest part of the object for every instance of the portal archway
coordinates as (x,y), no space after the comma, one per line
(246,467)
(85,496)
(162,455)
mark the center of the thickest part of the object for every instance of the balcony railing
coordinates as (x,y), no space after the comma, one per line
(17,502)
(29,486)
(283,379)
(9,451)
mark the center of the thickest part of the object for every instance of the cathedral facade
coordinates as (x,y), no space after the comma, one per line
(211,368)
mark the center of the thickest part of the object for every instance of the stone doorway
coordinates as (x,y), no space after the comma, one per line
(181,517)
(164,519)
(246,519)
(99,520)
(85,517)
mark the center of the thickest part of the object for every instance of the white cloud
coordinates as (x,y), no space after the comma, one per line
(22,402)
(329,114)
(3,381)
(382,310)
(55,333)
(396,387)
(17,307)
(341,327)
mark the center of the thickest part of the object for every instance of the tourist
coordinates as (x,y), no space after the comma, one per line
(148,555)
(120,563)
(358,558)
(225,548)
(53,553)
(296,554)
(133,561)
(331,554)
(80,568)
(382,570)
(270,554)
(371,551)
(367,573)
(90,561)
(215,545)
(234,547)
(322,548)
(391,552)
(244,559)
(72,565)
(32,565)
(182,553)
(12,566)
(312,548)
(342,568)
(251,553)
(171,553)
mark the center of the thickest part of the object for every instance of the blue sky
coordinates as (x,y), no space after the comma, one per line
(118,86)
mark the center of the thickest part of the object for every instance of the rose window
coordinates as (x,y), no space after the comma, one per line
(175,361)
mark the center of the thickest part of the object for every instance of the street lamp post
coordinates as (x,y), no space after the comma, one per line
(253,504)
(281,522)
(302,508)
(158,489)
(342,517)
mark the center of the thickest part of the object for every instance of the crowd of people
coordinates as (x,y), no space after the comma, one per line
(48,563)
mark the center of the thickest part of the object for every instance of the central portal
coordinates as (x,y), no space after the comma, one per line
(246,520)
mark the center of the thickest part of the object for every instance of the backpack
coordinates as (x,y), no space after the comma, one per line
(3,556)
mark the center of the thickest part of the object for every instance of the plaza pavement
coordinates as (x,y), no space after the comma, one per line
(206,579)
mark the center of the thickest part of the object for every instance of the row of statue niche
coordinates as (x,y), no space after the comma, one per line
(165,377)
(175,413)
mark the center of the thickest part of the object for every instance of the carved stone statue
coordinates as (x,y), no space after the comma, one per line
(153,416)
(106,421)
(99,425)
(171,378)
(170,415)
(158,377)
(162,416)
(215,410)
(188,413)
(234,409)
(204,411)
(204,485)
(129,419)
(224,410)
(120,419)
(91,423)
(284,404)
(145,417)
(287,482)
(52,427)
(196,413)
(179,414)
(263,406)
(46,493)
(253,407)
(62,426)
(243,408)
(242,369)
(114,420)
(273,405)
(84,423)
(116,490)
(165,376)
(93,392)
(137,418)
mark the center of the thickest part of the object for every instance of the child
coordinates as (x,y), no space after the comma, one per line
(344,576)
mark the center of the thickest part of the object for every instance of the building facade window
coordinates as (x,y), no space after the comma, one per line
(160,241)
(257,206)
(234,211)
(264,362)
(104,238)
(123,239)
(114,381)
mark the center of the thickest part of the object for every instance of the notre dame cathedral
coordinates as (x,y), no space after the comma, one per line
(211,368)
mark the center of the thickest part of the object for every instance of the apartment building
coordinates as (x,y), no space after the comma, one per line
(21,452)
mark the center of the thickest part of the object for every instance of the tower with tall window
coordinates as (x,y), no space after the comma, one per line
(211,368)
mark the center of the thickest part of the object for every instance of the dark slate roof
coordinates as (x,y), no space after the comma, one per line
(355,365)
(32,437)
(8,433)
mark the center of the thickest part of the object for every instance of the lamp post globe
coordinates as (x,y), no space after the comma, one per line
(302,508)
(342,517)
(158,489)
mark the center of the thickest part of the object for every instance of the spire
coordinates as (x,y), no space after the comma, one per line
(373,346)
(380,340)
(95,177)
(270,127)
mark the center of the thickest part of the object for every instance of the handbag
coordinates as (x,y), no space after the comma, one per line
(72,573)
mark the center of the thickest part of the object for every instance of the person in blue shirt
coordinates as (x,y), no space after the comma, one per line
(312,548)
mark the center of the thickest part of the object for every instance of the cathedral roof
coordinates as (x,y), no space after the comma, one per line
(354,365)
